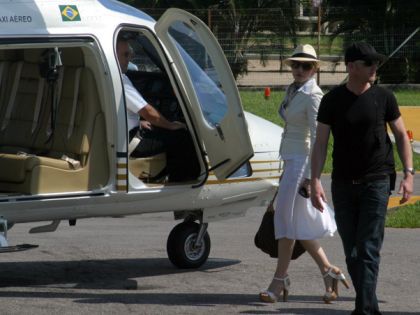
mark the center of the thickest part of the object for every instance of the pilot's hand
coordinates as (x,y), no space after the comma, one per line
(406,188)
(144,124)
(176,125)
(317,194)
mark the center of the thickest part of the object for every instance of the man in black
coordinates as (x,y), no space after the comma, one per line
(363,166)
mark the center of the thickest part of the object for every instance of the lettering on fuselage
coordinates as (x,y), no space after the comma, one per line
(16,19)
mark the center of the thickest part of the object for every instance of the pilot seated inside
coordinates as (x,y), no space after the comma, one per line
(155,132)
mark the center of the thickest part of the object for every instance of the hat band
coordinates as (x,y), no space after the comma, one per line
(304,55)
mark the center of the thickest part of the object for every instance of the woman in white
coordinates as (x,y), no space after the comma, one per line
(295,218)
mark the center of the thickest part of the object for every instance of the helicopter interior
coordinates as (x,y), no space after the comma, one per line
(52,133)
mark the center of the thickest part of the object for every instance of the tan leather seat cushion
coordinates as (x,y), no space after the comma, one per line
(147,167)
(14,167)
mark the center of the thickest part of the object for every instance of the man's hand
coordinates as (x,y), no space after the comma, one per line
(406,155)
(317,194)
(406,188)
(144,124)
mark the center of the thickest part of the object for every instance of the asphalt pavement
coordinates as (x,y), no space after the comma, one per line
(120,266)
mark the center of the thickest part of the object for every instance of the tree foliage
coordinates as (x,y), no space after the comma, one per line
(383,23)
(243,19)
(236,21)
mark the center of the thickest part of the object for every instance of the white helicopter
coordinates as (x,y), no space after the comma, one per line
(64,148)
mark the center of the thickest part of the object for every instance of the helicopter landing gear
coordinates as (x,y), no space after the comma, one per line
(188,245)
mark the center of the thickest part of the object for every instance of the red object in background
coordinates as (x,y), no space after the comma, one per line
(267,92)
(410,135)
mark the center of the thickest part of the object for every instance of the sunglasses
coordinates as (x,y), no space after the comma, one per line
(368,63)
(304,65)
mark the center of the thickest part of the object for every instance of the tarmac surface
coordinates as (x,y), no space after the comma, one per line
(120,266)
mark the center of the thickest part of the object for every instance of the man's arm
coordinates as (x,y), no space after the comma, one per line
(406,157)
(319,153)
(137,104)
(150,114)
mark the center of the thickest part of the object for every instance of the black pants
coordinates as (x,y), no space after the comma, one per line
(360,211)
(182,162)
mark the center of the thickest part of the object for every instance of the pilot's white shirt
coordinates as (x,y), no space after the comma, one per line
(135,102)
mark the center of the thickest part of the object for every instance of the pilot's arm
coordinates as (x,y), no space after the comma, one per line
(137,104)
(150,114)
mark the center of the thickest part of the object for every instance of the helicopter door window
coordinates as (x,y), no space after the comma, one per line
(203,74)
(144,57)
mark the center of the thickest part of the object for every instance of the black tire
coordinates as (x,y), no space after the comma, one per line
(179,246)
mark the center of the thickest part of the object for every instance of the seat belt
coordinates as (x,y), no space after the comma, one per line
(75,164)
(13,94)
(2,66)
(75,102)
(40,93)
(56,99)
(133,144)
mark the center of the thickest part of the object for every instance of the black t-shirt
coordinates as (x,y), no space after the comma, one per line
(358,124)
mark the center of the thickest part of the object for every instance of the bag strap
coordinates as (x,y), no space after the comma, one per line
(271,204)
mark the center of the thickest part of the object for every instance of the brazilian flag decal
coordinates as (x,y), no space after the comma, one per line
(69,13)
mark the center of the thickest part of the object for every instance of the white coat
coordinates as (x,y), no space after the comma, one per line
(300,116)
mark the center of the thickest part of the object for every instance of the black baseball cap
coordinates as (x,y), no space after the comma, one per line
(362,51)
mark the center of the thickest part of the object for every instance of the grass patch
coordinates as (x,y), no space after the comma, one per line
(254,102)
(408,97)
(404,217)
(273,44)
(326,47)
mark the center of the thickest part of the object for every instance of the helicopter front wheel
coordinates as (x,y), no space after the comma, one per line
(188,245)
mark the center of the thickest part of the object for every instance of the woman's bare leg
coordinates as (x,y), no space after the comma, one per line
(285,248)
(317,253)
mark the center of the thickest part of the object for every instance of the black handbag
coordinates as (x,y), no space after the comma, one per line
(264,238)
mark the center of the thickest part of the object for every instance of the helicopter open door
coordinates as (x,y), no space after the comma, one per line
(210,88)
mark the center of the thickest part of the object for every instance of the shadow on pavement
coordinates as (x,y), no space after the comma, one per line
(183,299)
(315,311)
(111,274)
(189,299)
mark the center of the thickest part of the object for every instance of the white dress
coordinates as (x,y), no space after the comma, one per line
(295,217)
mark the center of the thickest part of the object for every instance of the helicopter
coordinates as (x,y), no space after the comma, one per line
(64,143)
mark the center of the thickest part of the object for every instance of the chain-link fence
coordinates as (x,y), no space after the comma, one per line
(256,42)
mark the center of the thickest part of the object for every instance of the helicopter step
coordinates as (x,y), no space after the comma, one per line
(4,245)
(17,248)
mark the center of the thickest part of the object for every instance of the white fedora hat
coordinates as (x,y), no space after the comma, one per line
(303,53)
